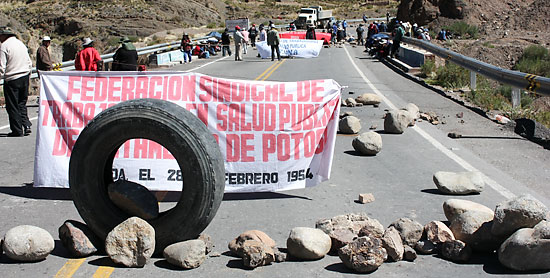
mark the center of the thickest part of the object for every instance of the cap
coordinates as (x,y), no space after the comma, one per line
(46,38)
(87,41)
(5,30)
(237,27)
(254,25)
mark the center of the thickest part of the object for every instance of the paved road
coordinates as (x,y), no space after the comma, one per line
(400,177)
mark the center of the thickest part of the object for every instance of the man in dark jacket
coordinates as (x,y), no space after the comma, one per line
(310,33)
(43,60)
(226,42)
(125,58)
(252,33)
(273,41)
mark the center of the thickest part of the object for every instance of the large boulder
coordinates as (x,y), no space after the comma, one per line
(369,99)
(134,199)
(353,222)
(308,243)
(367,143)
(455,207)
(27,243)
(131,243)
(437,232)
(186,254)
(520,212)
(393,244)
(459,183)
(396,121)
(78,239)
(236,245)
(413,110)
(527,249)
(474,229)
(349,125)
(257,254)
(364,254)
(409,230)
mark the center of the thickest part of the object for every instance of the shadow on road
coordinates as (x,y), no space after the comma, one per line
(28,191)
(437,192)
(340,268)
(260,196)
(356,153)
(105,261)
(491,265)
(491,137)
(166,265)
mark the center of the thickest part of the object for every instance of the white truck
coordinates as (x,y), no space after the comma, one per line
(314,15)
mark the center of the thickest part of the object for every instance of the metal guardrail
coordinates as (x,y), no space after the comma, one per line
(524,81)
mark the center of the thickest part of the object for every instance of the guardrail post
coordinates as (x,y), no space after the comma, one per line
(516,97)
(473,80)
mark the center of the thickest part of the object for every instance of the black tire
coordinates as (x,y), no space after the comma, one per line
(182,133)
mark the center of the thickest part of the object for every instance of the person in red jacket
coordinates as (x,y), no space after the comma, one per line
(88,59)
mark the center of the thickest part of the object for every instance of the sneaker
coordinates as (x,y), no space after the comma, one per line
(13,134)
(28,130)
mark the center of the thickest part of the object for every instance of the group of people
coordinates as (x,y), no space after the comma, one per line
(241,38)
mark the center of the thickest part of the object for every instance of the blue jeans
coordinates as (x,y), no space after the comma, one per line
(226,48)
(186,54)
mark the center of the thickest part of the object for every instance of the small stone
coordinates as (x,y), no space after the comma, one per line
(396,121)
(393,244)
(438,232)
(257,254)
(527,249)
(372,229)
(280,257)
(409,254)
(131,243)
(308,243)
(454,135)
(410,230)
(27,243)
(236,245)
(426,247)
(349,125)
(340,238)
(364,254)
(376,105)
(214,254)
(455,207)
(366,198)
(78,239)
(208,242)
(186,254)
(134,199)
(456,251)
(459,183)
(435,122)
(373,127)
(369,99)
(353,222)
(368,143)
(523,211)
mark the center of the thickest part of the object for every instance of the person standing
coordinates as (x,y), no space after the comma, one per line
(43,60)
(360,38)
(345,27)
(239,40)
(263,33)
(252,33)
(273,41)
(185,47)
(226,42)
(310,33)
(398,36)
(88,58)
(126,56)
(15,69)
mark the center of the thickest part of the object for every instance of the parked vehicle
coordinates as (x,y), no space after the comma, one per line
(314,15)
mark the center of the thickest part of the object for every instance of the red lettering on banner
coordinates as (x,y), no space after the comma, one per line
(89,112)
(56,114)
(233,117)
(175,88)
(316,88)
(66,114)
(271,92)
(283,96)
(309,144)
(71,89)
(321,137)
(297,137)
(114,89)
(242,115)
(72,134)
(188,88)
(205,86)
(85,89)
(238,91)
(154,150)
(46,111)
(154,83)
(127,89)
(258,116)
(221,108)
(269,145)
(283,147)
(304,90)
(233,148)
(245,148)
(78,121)
(101,88)
(142,87)
(140,148)
(270,118)
(59,145)
(165,88)
(297,116)
(309,116)
(284,115)
(257,93)
(223,93)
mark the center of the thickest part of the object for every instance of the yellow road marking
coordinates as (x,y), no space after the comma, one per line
(69,268)
(273,70)
(266,71)
(103,272)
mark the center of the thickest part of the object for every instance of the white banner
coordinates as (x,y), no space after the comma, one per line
(292,48)
(274,135)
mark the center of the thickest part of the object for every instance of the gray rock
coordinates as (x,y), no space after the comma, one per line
(367,143)
(396,121)
(350,102)
(366,198)
(236,245)
(409,254)
(459,183)
(413,110)
(456,251)
(340,238)
(134,199)
(280,257)
(349,125)
(78,239)
(410,230)
(426,247)
(520,212)
(257,254)
(131,243)
(186,254)
(364,254)
(353,222)
(393,244)
(372,228)
(474,229)
(438,232)
(369,99)
(208,242)
(27,243)
(454,207)
(308,243)
(527,249)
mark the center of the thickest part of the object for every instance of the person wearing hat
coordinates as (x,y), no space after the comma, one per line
(273,41)
(239,40)
(252,33)
(186,47)
(15,69)
(43,60)
(88,58)
(126,56)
